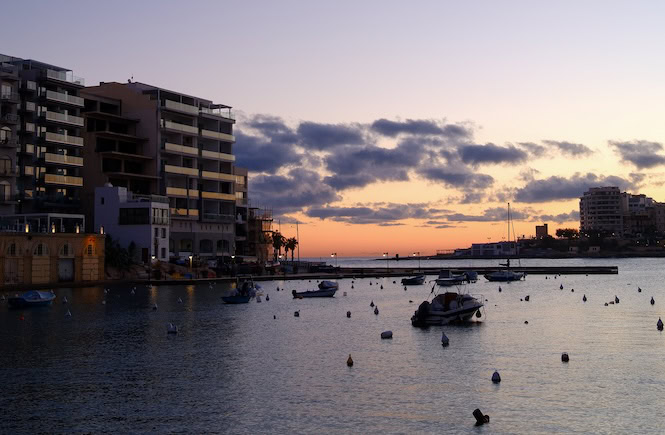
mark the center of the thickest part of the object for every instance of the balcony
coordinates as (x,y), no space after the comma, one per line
(9,142)
(180,170)
(29,106)
(10,97)
(218,195)
(66,180)
(218,176)
(227,218)
(225,113)
(8,171)
(184,128)
(9,118)
(8,71)
(182,149)
(63,139)
(63,159)
(64,76)
(179,191)
(184,212)
(160,220)
(217,135)
(180,107)
(64,98)
(241,202)
(29,85)
(65,119)
(218,156)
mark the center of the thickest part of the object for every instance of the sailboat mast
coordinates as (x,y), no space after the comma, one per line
(508,240)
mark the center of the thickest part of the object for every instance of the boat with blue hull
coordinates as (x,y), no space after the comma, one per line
(32,298)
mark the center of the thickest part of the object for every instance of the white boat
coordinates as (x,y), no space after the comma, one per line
(328,285)
(446,308)
(447,278)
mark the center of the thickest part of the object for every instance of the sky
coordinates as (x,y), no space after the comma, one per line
(399,127)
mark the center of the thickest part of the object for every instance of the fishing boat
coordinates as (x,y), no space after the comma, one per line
(414,280)
(244,292)
(446,308)
(448,278)
(321,293)
(506,274)
(328,285)
(32,298)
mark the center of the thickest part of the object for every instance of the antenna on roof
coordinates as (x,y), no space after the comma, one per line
(129,80)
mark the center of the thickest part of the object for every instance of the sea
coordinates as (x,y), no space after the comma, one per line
(256,368)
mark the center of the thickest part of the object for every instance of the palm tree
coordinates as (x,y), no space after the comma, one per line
(278,242)
(291,244)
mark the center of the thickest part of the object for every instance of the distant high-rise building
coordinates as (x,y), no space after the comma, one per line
(541,231)
(601,210)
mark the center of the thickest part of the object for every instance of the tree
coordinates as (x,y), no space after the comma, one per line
(568,233)
(291,244)
(278,241)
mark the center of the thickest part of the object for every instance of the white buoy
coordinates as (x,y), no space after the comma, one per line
(132,292)
(496,377)
(106,291)
(103,302)
(68,314)
(444,339)
(172,329)
(659,325)
(376,310)
(387,334)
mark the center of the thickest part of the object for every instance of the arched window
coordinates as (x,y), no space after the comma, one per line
(11,250)
(66,250)
(41,250)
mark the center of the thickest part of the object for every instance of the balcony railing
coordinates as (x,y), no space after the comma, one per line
(10,96)
(65,76)
(8,68)
(181,107)
(180,212)
(179,191)
(179,127)
(67,119)
(218,135)
(63,138)
(64,98)
(218,176)
(218,217)
(10,142)
(29,127)
(63,159)
(218,156)
(160,220)
(9,118)
(63,179)
(30,106)
(8,171)
(180,170)
(180,149)
(222,113)
(218,195)
(30,85)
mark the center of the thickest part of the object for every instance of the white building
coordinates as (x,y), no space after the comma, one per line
(142,219)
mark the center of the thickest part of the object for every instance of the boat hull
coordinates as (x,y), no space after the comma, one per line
(416,280)
(23,303)
(497,277)
(327,293)
(236,299)
(437,318)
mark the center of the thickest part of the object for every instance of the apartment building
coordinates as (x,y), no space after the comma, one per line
(9,121)
(188,145)
(242,211)
(601,209)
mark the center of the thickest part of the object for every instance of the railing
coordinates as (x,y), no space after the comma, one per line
(30,85)
(64,98)
(62,138)
(222,113)
(218,176)
(160,220)
(180,148)
(8,68)
(174,105)
(180,170)
(65,76)
(9,96)
(149,198)
(8,171)
(29,127)
(217,135)
(218,195)
(218,217)
(61,117)
(180,127)
(30,106)
(218,156)
(62,158)
(183,212)
(63,179)
(9,142)
(179,191)
(10,117)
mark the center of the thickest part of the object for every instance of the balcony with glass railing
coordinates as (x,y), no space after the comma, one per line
(63,139)
(30,85)
(180,107)
(64,118)
(217,176)
(30,106)
(179,191)
(63,159)
(167,146)
(172,125)
(218,195)
(61,97)
(12,97)
(218,156)
(181,170)
(217,135)
(66,180)
(225,112)
(64,76)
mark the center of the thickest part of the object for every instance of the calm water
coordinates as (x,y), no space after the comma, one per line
(235,369)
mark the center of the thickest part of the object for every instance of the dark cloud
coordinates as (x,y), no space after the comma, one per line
(425,127)
(491,154)
(561,188)
(259,154)
(573,216)
(495,214)
(317,136)
(299,189)
(641,153)
(457,177)
(377,213)
(534,149)
(274,128)
(569,148)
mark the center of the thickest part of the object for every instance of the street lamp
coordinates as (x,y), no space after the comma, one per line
(414,254)
(334,254)
(191,262)
(385,255)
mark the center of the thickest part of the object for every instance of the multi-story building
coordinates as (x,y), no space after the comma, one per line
(601,209)
(50,144)
(189,142)
(259,240)
(242,205)
(541,231)
(9,121)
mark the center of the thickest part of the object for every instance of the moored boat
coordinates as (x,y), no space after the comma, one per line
(236,299)
(414,280)
(446,308)
(325,293)
(32,298)
(243,293)
(505,275)
(328,285)
(448,278)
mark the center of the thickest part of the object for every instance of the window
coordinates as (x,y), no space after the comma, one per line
(66,250)
(134,216)
(11,250)
(163,233)
(90,249)
(40,250)
(156,232)
(101,201)
(163,253)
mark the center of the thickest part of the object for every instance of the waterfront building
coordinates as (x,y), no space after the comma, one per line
(139,219)
(601,209)
(9,121)
(259,238)
(541,231)
(242,207)
(188,142)
(48,154)
(498,249)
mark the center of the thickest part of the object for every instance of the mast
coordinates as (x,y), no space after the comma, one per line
(508,240)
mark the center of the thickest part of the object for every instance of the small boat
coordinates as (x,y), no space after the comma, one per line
(446,308)
(328,285)
(414,280)
(505,275)
(244,292)
(447,278)
(32,298)
(327,293)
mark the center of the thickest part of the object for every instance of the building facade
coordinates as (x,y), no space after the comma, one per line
(189,144)
(541,231)
(601,209)
(9,120)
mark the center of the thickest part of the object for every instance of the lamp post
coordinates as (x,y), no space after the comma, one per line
(334,254)
(414,254)
(385,255)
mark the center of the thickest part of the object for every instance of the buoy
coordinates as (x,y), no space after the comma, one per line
(616,299)
(296,314)
(180,300)
(481,419)
(639,290)
(132,292)
(21,317)
(268,297)
(154,307)
(371,304)
(545,277)
(348,314)
(64,300)
(404,288)
(526,322)
(105,291)
(652,301)
(352,286)
(376,310)
(103,302)
(343,294)
(172,329)
(521,300)
(499,289)
(349,361)
(370,283)
(68,314)
(526,298)
(274,316)
(584,298)
(564,357)
(606,303)
(382,287)
(387,334)
(394,282)
(496,377)
(410,301)
(659,325)
(444,339)
(561,287)
(572,290)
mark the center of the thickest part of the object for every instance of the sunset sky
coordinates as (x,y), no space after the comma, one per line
(385,126)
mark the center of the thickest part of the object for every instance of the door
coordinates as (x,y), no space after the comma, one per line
(11,270)
(66,269)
